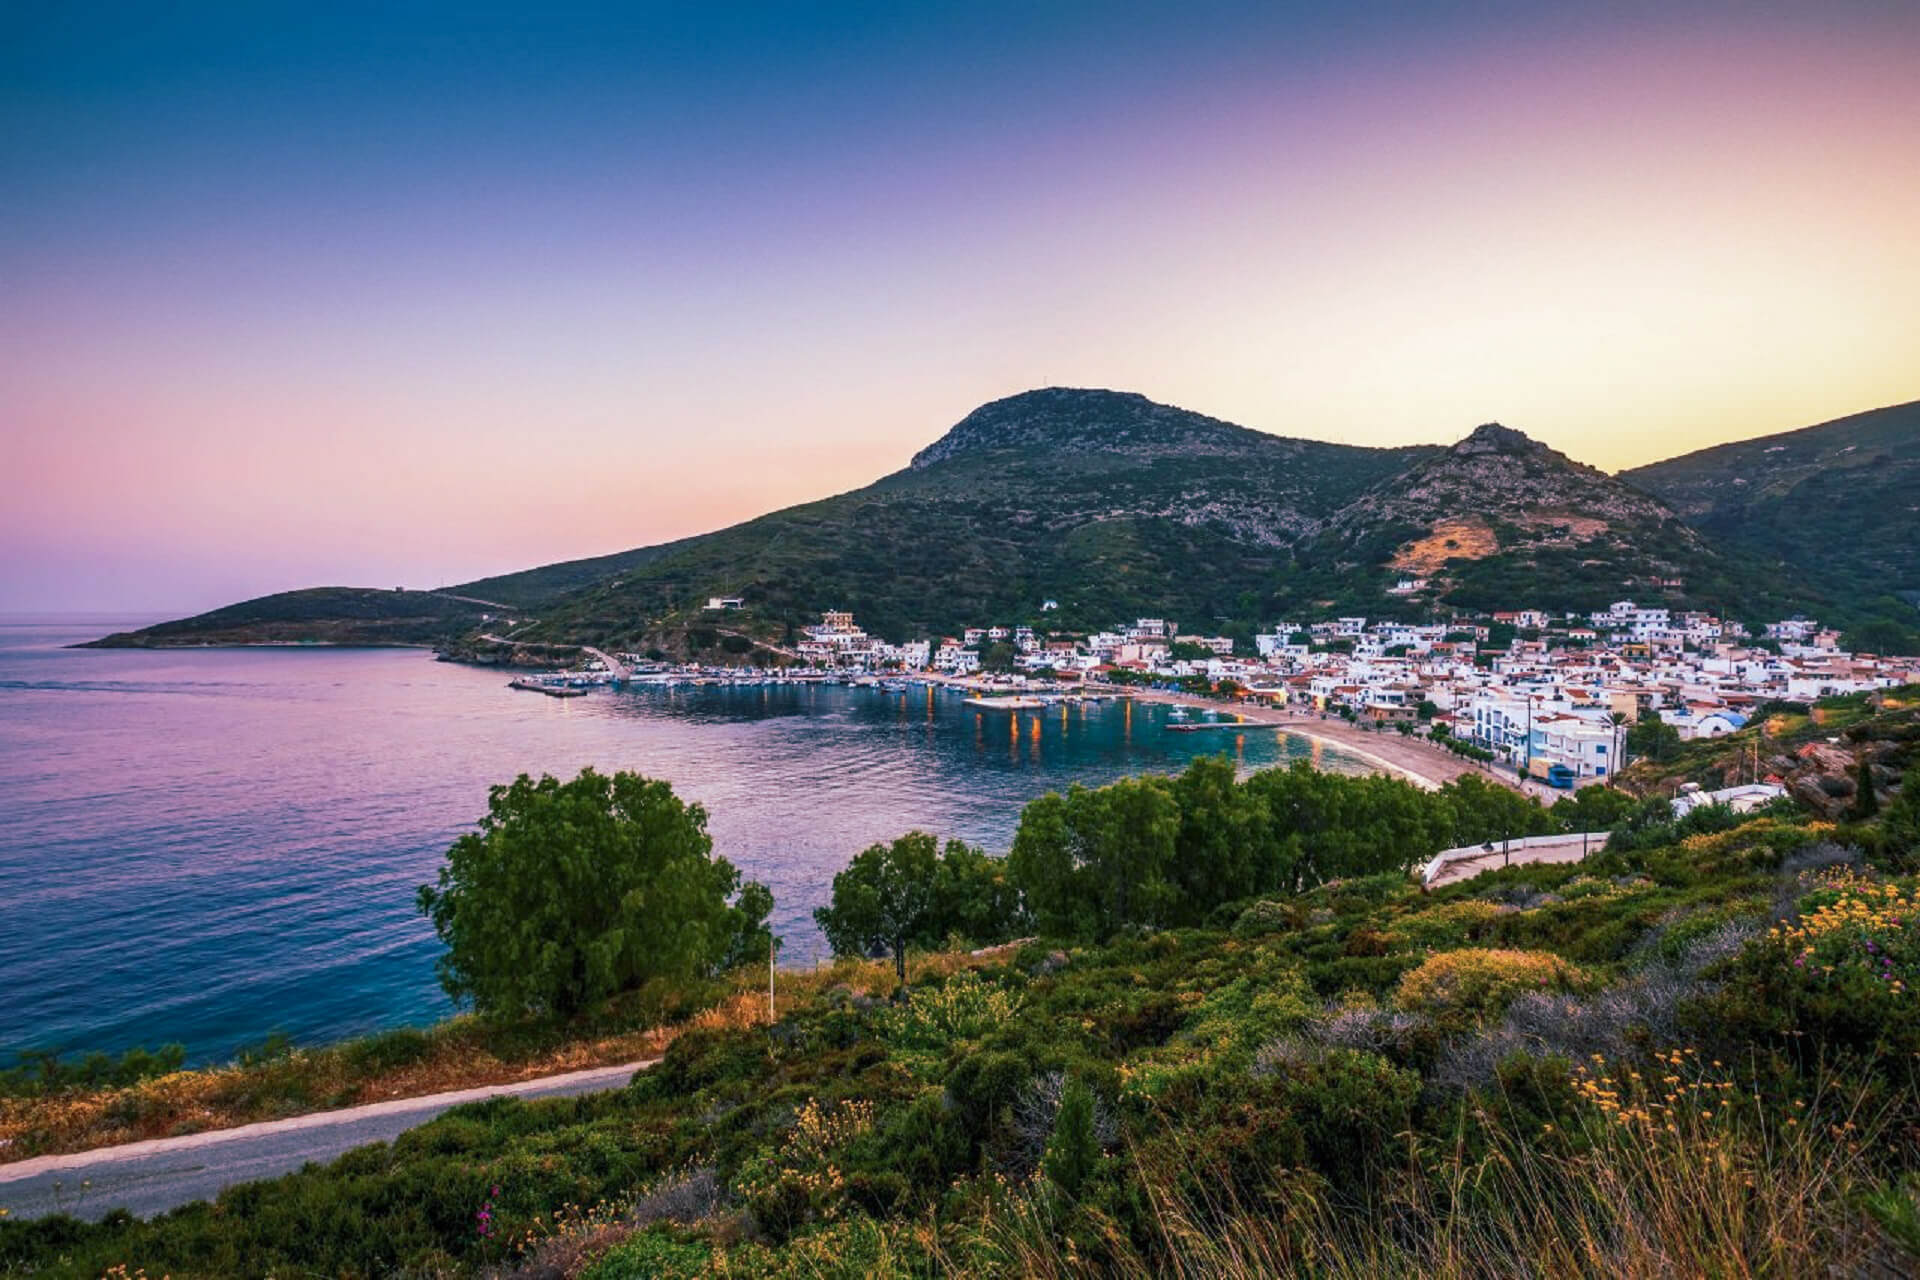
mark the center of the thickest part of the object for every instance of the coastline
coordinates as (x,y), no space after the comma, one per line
(1414,759)
(103,643)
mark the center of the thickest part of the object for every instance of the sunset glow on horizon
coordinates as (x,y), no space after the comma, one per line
(379,296)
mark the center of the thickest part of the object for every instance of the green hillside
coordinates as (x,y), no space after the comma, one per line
(1109,503)
(1500,521)
(318,615)
(1690,1054)
(1838,502)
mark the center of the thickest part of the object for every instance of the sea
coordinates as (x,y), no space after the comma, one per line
(214,846)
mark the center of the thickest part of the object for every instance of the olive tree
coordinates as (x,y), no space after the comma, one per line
(883,899)
(571,892)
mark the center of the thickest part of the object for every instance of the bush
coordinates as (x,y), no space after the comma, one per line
(1074,1152)
(37,1074)
(965,1007)
(1480,983)
(1851,963)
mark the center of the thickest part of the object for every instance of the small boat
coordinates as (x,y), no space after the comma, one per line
(551,690)
(1013,702)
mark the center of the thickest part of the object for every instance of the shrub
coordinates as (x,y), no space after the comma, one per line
(1268,917)
(1450,923)
(803,1178)
(1480,983)
(965,1007)
(40,1073)
(1073,1153)
(1852,960)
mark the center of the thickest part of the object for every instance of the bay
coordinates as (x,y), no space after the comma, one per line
(212,845)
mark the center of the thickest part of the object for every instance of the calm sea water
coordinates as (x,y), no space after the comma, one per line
(211,846)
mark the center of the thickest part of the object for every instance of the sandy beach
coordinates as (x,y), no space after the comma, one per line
(1414,759)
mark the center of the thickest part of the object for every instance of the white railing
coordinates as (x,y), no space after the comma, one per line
(1590,841)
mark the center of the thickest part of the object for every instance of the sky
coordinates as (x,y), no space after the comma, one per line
(401,294)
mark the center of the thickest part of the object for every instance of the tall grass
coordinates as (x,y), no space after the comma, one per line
(1699,1185)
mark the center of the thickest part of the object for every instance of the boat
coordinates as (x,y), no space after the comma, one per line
(551,690)
(1015,702)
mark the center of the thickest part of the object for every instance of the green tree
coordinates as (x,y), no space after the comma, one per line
(974,897)
(1865,802)
(884,899)
(1222,830)
(1652,738)
(998,656)
(1483,811)
(1593,809)
(1073,1152)
(572,892)
(1883,636)
(1093,861)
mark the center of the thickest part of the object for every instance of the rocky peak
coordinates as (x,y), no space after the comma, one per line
(1491,437)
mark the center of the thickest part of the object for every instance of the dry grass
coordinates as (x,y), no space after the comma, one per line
(1468,539)
(1722,1195)
(302,1081)
(460,1055)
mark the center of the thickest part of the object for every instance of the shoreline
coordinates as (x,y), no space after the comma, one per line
(1419,762)
(255,644)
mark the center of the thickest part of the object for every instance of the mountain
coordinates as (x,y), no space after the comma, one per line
(1105,501)
(1839,502)
(1112,505)
(1500,520)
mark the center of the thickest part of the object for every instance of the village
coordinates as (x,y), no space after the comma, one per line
(1552,696)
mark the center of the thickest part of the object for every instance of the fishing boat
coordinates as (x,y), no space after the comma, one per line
(551,690)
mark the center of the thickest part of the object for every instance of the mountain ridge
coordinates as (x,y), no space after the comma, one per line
(1112,503)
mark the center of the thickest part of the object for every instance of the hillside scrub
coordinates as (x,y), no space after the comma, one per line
(1356,1078)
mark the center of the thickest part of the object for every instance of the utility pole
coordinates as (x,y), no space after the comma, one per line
(1527,769)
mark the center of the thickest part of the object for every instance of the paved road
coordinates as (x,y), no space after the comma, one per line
(1570,848)
(165,1173)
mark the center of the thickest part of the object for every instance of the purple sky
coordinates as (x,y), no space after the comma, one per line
(377,296)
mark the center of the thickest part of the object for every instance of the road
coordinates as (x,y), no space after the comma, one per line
(165,1173)
(1570,848)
